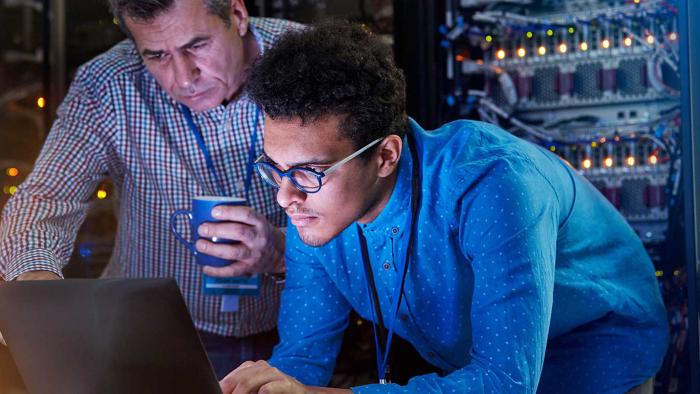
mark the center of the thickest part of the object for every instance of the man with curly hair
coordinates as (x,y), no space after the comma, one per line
(504,269)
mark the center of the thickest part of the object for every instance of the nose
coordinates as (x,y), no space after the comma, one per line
(186,72)
(288,194)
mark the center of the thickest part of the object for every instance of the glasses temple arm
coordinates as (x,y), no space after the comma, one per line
(352,156)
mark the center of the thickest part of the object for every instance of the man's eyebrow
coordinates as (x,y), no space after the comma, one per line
(318,162)
(194,41)
(151,52)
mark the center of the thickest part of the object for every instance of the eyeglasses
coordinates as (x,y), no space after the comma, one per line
(304,179)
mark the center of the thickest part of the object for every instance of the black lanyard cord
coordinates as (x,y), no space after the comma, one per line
(381,341)
(381,334)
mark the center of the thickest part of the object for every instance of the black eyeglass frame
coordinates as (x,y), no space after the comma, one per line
(261,167)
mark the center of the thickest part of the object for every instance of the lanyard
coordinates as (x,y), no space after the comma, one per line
(382,343)
(207,156)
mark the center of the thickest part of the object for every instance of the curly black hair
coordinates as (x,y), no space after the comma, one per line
(333,68)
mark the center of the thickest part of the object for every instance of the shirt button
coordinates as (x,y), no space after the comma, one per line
(394,230)
(386,266)
(403,317)
(431,354)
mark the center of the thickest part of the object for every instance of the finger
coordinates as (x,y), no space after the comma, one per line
(229,230)
(238,213)
(235,269)
(275,387)
(236,252)
(246,364)
(251,379)
(228,383)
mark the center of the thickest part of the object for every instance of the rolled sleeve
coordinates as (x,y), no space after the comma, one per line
(40,222)
(313,317)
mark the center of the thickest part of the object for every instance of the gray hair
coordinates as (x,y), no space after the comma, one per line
(148,10)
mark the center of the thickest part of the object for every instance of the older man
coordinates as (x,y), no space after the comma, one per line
(163,114)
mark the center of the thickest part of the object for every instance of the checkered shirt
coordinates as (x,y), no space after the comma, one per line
(117,122)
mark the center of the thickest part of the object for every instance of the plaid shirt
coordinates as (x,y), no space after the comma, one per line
(117,122)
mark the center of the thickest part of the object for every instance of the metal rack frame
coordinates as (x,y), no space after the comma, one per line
(690,104)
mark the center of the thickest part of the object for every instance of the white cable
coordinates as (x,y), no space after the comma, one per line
(35,5)
(508,88)
(504,79)
(532,130)
(19,93)
(655,76)
(503,17)
(479,3)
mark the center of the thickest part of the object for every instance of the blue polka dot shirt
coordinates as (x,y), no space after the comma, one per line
(522,277)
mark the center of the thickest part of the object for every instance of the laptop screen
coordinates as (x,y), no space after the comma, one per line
(103,336)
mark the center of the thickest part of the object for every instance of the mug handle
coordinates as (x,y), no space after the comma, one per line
(173,229)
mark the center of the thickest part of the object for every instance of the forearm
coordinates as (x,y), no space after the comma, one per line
(477,377)
(37,234)
(40,222)
(40,259)
(326,390)
(39,275)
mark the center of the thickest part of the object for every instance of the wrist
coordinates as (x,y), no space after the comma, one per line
(38,275)
(279,267)
(326,390)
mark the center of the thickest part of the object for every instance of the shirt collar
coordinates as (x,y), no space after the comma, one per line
(393,219)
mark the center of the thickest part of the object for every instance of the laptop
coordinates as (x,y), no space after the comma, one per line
(79,336)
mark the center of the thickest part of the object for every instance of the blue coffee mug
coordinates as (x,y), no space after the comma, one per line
(201,213)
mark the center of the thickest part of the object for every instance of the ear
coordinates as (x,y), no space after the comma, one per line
(239,17)
(388,154)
